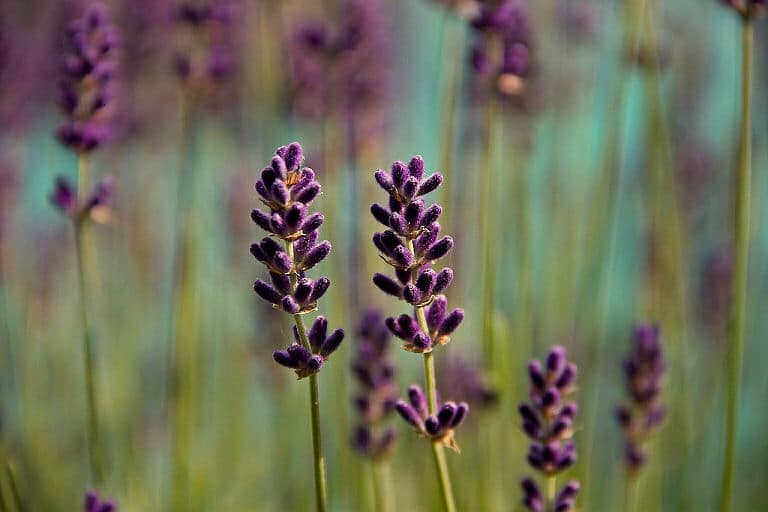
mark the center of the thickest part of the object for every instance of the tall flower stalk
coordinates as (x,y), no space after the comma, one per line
(748,10)
(411,245)
(548,422)
(86,96)
(288,190)
(375,402)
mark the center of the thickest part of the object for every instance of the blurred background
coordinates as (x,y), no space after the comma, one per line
(588,188)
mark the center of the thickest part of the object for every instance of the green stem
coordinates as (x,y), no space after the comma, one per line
(94,448)
(487,227)
(13,482)
(551,490)
(741,219)
(321,486)
(381,491)
(630,493)
(446,490)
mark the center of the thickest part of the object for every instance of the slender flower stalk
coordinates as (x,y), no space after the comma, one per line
(86,96)
(411,244)
(288,190)
(375,402)
(548,422)
(748,10)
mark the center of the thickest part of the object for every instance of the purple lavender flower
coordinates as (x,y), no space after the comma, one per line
(411,245)
(374,372)
(95,206)
(438,426)
(548,421)
(288,189)
(343,68)
(88,81)
(503,45)
(644,371)
(93,503)
(208,59)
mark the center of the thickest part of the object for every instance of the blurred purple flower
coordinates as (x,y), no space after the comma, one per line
(94,206)
(374,372)
(345,68)
(208,60)
(467,382)
(644,372)
(93,503)
(547,419)
(502,48)
(715,289)
(88,81)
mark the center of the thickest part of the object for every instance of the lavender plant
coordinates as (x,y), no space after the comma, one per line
(375,401)
(548,421)
(95,504)
(411,244)
(641,416)
(87,94)
(748,10)
(287,189)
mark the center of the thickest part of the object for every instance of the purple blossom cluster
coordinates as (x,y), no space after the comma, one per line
(502,48)
(93,503)
(411,244)
(95,205)
(374,372)
(438,427)
(287,189)
(88,84)
(343,68)
(209,59)
(548,421)
(644,372)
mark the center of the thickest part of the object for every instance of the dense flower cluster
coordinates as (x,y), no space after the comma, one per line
(411,245)
(548,422)
(437,427)
(288,190)
(209,57)
(644,371)
(94,504)
(343,69)
(95,205)
(88,82)
(375,401)
(502,47)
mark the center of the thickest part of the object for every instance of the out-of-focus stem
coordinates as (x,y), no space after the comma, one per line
(381,492)
(488,238)
(741,235)
(80,223)
(321,487)
(551,490)
(430,383)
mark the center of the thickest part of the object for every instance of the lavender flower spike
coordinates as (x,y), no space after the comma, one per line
(287,190)
(375,402)
(88,81)
(548,421)
(411,244)
(93,503)
(642,415)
